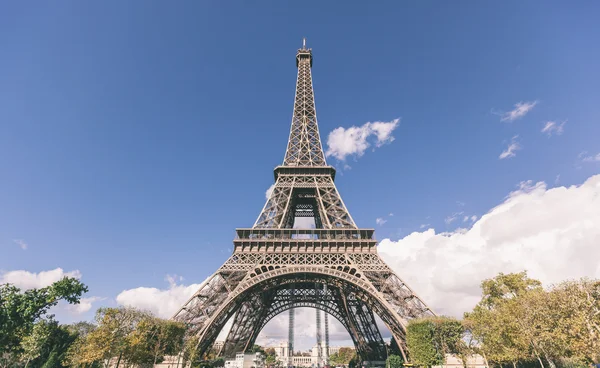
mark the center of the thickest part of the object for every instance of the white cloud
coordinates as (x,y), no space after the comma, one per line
(552,127)
(511,150)
(21,243)
(85,304)
(162,302)
(450,219)
(391,214)
(354,141)
(521,109)
(551,233)
(380,221)
(593,158)
(470,218)
(269,191)
(424,226)
(30,280)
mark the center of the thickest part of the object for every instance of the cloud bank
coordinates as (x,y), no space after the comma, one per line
(554,234)
(31,280)
(162,302)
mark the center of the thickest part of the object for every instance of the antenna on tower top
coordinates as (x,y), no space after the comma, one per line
(304,42)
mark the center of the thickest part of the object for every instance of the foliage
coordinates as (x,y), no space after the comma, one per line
(271,360)
(152,339)
(271,357)
(393,347)
(343,357)
(257,349)
(353,363)
(32,344)
(19,312)
(128,335)
(394,361)
(517,321)
(421,343)
(53,361)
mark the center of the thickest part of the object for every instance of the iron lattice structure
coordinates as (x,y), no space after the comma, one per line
(274,267)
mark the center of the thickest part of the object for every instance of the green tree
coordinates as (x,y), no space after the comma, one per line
(20,310)
(420,342)
(32,345)
(271,357)
(394,361)
(270,360)
(393,347)
(53,361)
(257,349)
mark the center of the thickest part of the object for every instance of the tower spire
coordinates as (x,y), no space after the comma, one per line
(304,145)
(304,183)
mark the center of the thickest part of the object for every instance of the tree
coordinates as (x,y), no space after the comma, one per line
(81,329)
(517,321)
(506,286)
(270,360)
(20,310)
(53,361)
(271,357)
(343,357)
(393,347)
(111,339)
(257,349)
(420,342)
(32,344)
(494,324)
(568,324)
(190,351)
(152,339)
(394,361)
(429,340)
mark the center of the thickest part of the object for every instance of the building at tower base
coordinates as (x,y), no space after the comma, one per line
(312,359)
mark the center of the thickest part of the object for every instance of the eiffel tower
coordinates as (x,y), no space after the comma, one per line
(333,267)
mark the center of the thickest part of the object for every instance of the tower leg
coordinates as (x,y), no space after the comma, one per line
(319,342)
(291,337)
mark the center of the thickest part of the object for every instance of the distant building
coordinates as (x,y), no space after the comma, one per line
(282,353)
(246,360)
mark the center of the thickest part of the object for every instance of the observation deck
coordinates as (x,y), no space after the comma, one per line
(341,240)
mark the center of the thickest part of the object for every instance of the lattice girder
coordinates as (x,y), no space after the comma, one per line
(214,303)
(304,144)
(330,210)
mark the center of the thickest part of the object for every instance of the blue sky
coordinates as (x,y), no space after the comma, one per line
(135,137)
